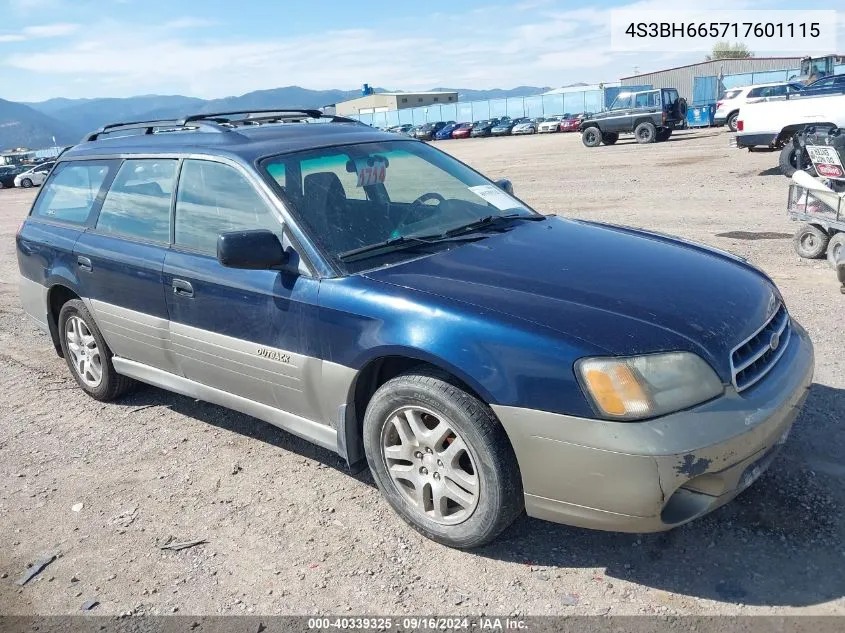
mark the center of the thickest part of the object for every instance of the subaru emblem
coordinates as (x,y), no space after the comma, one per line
(774,342)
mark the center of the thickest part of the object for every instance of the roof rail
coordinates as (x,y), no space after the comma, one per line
(314,114)
(217,121)
(149,127)
(267,116)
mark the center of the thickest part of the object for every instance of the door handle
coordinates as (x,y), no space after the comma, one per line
(84,264)
(182,288)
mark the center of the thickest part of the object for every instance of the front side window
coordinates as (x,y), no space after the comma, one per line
(70,193)
(138,202)
(623,100)
(371,192)
(213,198)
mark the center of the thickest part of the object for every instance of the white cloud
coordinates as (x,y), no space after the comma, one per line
(40,32)
(536,46)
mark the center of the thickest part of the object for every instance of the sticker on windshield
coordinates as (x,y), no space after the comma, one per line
(371,170)
(495,196)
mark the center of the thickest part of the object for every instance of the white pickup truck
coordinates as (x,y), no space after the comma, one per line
(773,124)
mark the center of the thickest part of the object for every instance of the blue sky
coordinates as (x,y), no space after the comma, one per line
(212,48)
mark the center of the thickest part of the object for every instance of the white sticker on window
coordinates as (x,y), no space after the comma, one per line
(495,196)
(371,171)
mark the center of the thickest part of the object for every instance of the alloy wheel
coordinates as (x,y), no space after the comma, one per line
(87,362)
(430,465)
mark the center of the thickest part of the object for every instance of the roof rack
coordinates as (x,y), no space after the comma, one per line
(218,121)
(149,127)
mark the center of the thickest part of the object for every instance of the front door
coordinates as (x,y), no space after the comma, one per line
(250,333)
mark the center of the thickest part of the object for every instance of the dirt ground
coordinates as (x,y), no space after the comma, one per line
(288,530)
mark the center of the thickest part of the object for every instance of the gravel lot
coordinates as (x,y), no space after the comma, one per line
(289,531)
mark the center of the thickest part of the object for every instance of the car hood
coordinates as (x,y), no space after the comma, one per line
(618,291)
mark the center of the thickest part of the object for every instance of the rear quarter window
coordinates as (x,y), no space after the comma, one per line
(71,191)
(732,94)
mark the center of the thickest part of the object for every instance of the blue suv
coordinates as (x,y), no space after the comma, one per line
(385,301)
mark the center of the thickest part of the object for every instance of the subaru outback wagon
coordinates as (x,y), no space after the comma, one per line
(383,300)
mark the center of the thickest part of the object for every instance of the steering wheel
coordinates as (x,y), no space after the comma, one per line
(419,202)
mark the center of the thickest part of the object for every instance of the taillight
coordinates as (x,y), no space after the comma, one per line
(664,116)
(739,125)
(719,104)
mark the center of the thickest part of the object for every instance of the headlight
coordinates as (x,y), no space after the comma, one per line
(641,387)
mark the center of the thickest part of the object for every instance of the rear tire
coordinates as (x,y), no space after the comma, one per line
(87,355)
(645,132)
(26,183)
(810,241)
(609,138)
(836,249)
(663,135)
(411,424)
(731,122)
(591,136)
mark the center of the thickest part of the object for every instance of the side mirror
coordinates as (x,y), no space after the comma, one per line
(505,184)
(253,250)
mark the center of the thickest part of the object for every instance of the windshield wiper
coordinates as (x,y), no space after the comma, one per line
(492,220)
(452,235)
(399,243)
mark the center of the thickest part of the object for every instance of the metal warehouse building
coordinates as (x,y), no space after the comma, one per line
(699,83)
(387,101)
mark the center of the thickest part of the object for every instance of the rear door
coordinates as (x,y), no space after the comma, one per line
(120,260)
(250,333)
(45,243)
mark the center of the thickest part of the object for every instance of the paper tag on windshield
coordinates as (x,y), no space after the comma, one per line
(371,171)
(495,196)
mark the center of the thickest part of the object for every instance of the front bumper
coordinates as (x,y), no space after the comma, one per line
(658,474)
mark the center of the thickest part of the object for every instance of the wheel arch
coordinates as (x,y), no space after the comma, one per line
(643,119)
(57,295)
(376,371)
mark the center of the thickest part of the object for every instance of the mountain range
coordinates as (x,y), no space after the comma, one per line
(34,124)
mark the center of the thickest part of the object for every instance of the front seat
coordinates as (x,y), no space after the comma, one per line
(327,210)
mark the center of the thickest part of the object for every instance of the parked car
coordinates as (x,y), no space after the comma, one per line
(8,174)
(774,124)
(505,126)
(462,131)
(650,115)
(483,128)
(727,108)
(550,124)
(401,129)
(571,123)
(527,126)
(445,132)
(427,131)
(257,269)
(34,176)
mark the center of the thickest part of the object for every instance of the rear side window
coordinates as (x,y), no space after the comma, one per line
(70,193)
(138,202)
(213,198)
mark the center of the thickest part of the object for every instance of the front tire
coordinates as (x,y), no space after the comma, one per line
(441,459)
(810,241)
(645,132)
(591,137)
(26,183)
(87,355)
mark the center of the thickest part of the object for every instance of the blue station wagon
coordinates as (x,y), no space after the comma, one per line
(385,301)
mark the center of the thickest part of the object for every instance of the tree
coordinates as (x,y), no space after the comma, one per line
(726,50)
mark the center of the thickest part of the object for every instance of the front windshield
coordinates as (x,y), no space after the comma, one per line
(354,196)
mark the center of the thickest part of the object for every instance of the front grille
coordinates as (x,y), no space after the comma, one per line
(754,358)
